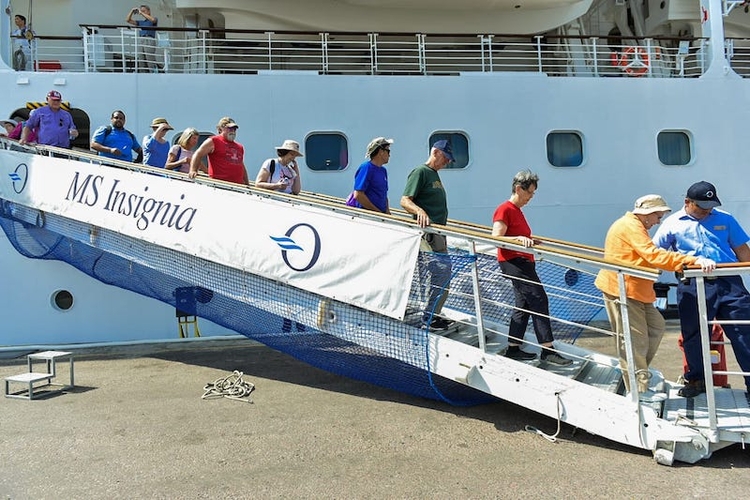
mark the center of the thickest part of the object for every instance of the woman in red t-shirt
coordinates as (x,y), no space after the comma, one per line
(519,267)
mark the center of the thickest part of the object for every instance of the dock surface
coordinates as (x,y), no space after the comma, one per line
(135,426)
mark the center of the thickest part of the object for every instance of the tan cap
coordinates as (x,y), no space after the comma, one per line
(650,204)
(158,121)
(226,122)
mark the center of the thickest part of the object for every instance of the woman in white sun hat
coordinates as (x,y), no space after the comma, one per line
(281,173)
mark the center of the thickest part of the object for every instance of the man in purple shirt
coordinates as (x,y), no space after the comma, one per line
(54,125)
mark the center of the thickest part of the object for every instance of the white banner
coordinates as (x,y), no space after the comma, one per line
(365,263)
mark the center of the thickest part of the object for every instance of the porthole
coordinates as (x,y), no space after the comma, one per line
(565,149)
(674,147)
(62,300)
(326,151)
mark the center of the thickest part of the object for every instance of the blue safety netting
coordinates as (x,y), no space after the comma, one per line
(331,335)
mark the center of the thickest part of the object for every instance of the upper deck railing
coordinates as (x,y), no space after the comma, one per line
(178,50)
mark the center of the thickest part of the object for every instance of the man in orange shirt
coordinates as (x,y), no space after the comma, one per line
(628,242)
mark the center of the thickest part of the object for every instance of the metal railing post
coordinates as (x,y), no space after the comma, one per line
(623,298)
(373,52)
(700,290)
(269,34)
(422,53)
(324,51)
(539,53)
(477,296)
(136,48)
(481,53)
(87,58)
(204,54)
(122,50)
(595,55)
(489,51)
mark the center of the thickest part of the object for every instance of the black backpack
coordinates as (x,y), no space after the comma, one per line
(108,130)
(139,157)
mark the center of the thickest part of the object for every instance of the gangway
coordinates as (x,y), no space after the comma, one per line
(345,290)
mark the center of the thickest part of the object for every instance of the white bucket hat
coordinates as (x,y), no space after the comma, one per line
(290,145)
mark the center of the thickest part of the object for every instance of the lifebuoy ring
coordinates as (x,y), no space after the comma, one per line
(634,61)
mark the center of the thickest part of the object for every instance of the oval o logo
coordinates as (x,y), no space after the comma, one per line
(316,247)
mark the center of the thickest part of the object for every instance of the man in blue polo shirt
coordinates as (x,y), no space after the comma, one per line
(371,180)
(702,230)
(115,141)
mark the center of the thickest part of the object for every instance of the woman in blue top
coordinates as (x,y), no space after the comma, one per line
(371,179)
(156,146)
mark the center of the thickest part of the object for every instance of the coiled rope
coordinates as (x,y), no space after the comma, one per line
(230,387)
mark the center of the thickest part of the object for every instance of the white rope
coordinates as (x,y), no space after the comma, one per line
(230,387)
(552,438)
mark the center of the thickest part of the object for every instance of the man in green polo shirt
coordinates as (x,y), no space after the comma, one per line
(424,198)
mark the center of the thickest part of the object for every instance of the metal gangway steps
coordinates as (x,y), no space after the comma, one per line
(335,315)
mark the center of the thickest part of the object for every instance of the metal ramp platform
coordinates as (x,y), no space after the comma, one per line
(674,429)
(733,415)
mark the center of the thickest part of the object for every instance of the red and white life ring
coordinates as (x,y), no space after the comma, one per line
(634,61)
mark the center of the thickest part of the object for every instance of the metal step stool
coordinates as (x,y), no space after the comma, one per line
(29,378)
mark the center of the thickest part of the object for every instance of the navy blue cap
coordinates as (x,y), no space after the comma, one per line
(445,147)
(704,195)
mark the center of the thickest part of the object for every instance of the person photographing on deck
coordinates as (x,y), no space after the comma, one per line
(701,229)
(531,299)
(628,242)
(22,43)
(146,36)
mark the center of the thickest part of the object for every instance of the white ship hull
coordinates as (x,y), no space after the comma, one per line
(506,117)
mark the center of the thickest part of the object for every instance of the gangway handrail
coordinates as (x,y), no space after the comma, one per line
(545,239)
(472,226)
(470,234)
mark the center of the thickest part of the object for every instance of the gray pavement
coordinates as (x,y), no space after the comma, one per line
(136,427)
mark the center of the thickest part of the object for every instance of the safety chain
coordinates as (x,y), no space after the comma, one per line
(230,387)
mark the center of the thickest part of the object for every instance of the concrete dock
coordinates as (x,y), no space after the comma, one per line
(135,426)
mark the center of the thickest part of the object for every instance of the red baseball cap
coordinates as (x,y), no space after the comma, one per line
(54,95)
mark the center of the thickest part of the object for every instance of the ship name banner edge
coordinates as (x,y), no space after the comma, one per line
(310,249)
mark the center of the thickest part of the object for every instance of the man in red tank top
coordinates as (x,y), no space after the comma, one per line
(225,155)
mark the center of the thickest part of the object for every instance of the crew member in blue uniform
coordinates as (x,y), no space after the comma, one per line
(703,230)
